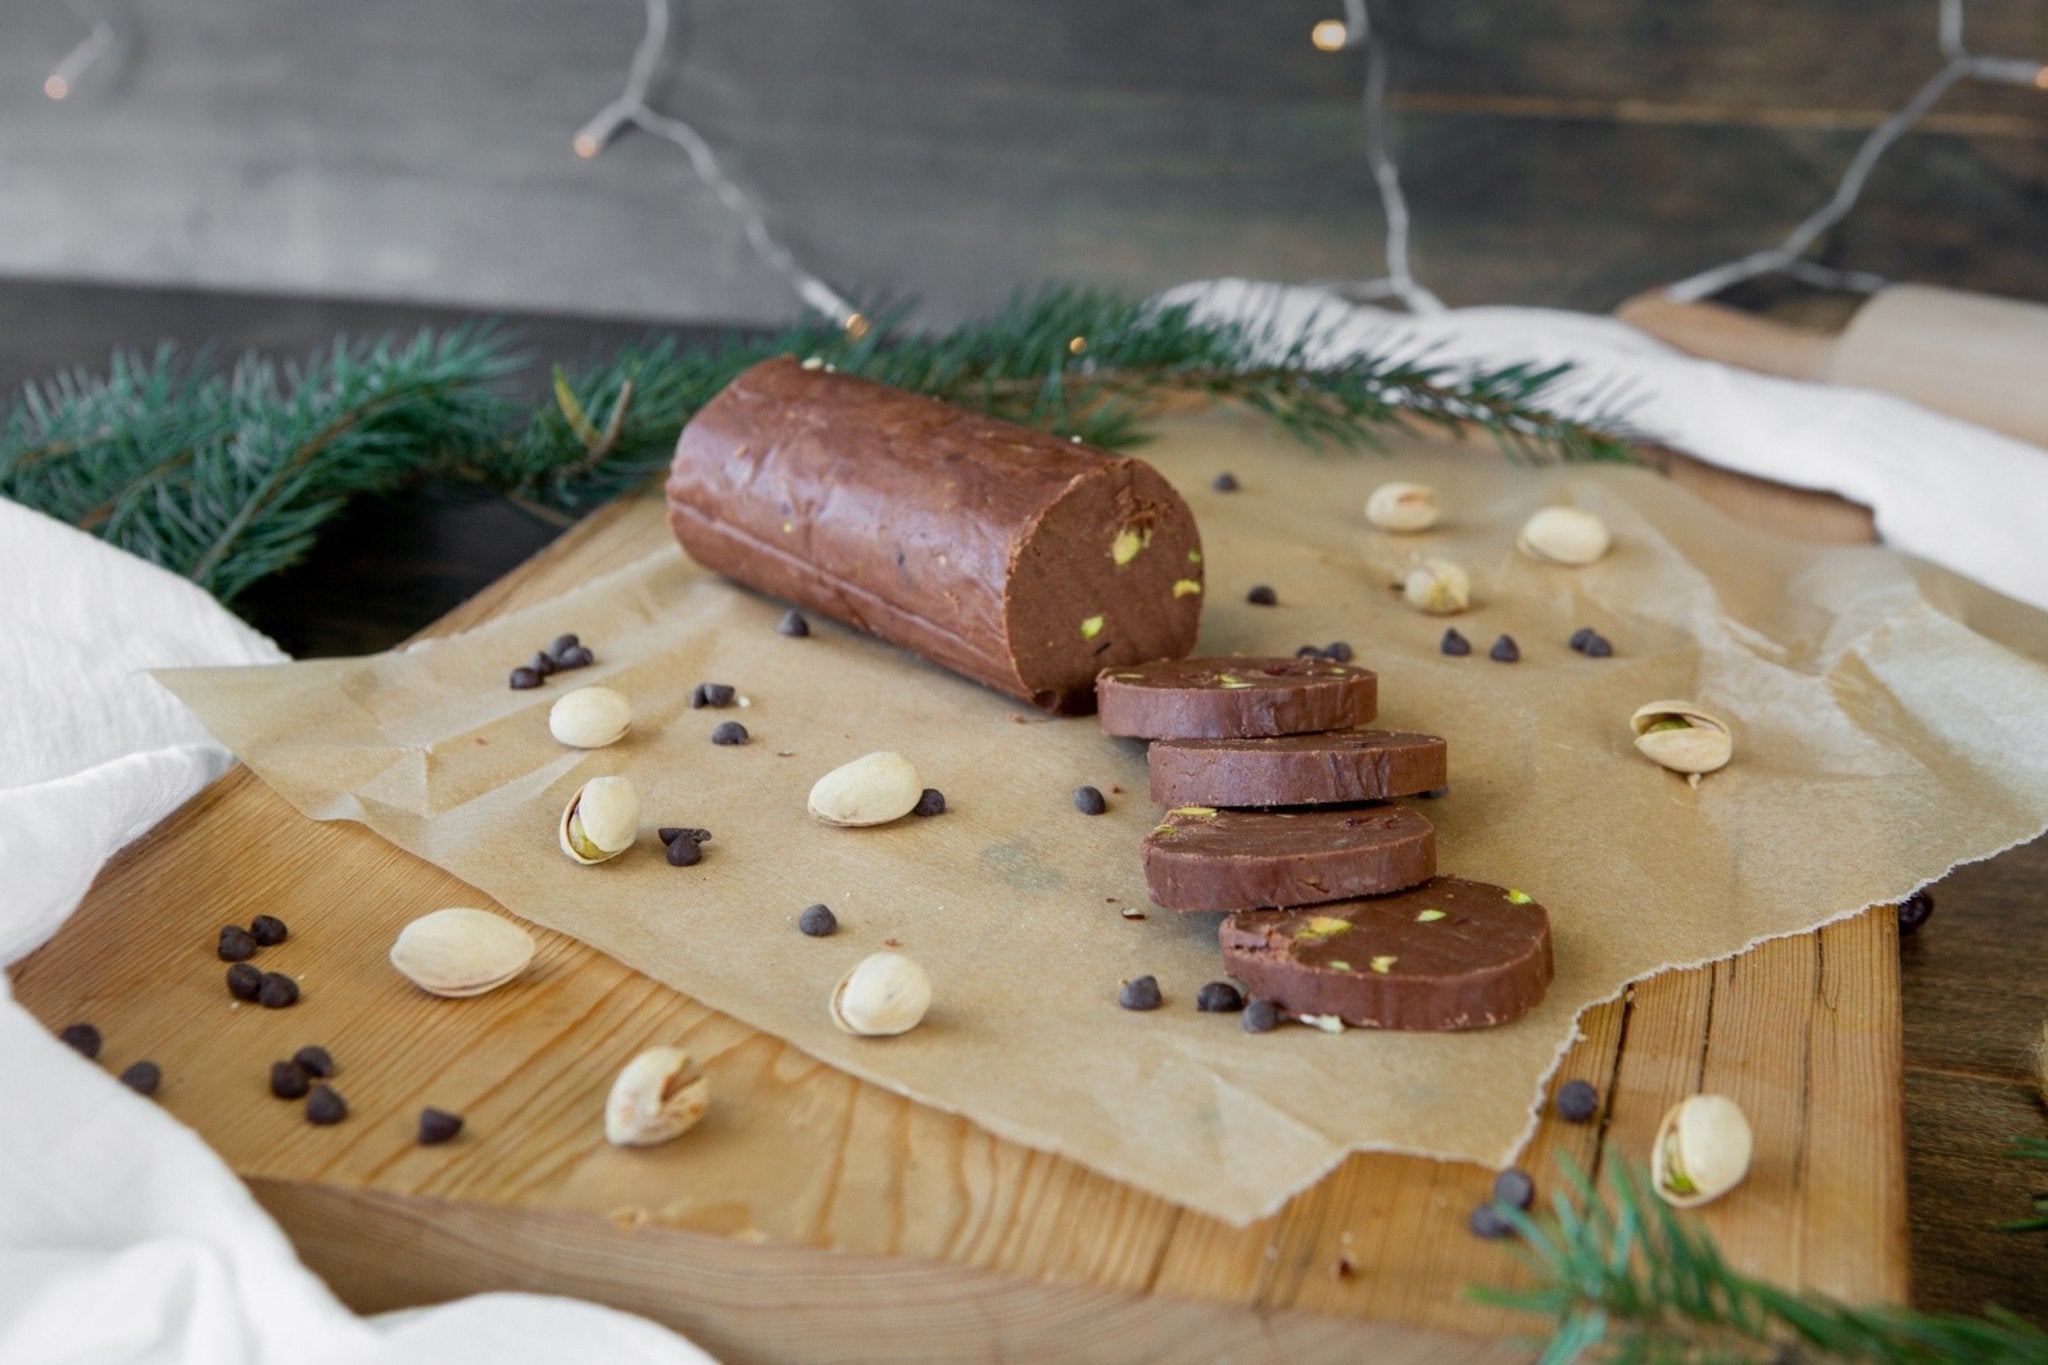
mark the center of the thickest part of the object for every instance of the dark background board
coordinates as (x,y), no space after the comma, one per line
(1556,152)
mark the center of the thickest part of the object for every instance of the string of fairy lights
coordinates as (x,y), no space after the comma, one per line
(101,46)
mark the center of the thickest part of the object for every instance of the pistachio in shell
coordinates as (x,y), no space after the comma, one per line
(885,994)
(601,820)
(1564,535)
(590,717)
(658,1096)
(1403,507)
(459,952)
(1702,1152)
(871,790)
(1439,587)
(1683,737)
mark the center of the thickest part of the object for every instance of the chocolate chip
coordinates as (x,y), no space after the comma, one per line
(244,981)
(1090,801)
(670,833)
(697,697)
(817,921)
(277,991)
(684,851)
(1513,1186)
(83,1039)
(579,657)
(236,944)
(1140,994)
(794,624)
(1577,1101)
(1310,652)
(1338,651)
(1219,997)
(326,1106)
(1913,912)
(931,801)
(289,1081)
(1489,1222)
(1504,650)
(1224,483)
(541,664)
(729,732)
(714,694)
(437,1126)
(1262,596)
(561,645)
(524,679)
(1261,1016)
(1598,648)
(1455,644)
(1580,636)
(317,1061)
(268,930)
(143,1078)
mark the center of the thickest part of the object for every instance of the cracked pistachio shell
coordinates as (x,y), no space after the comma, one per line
(460,952)
(1702,1152)
(660,1095)
(885,994)
(1699,741)
(871,790)
(1564,535)
(590,717)
(601,820)
(1437,586)
(1403,507)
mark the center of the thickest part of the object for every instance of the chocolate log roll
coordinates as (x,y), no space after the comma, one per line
(1026,562)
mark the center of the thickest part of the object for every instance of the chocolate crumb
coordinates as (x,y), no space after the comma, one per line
(729,732)
(236,944)
(684,851)
(1913,912)
(244,981)
(1224,483)
(83,1039)
(1489,1222)
(579,657)
(1262,595)
(268,930)
(931,801)
(1577,1101)
(1261,1016)
(1513,1186)
(438,1126)
(1219,997)
(317,1061)
(524,679)
(1140,994)
(817,921)
(1454,644)
(277,991)
(289,1081)
(1090,801)
(326,1106)
(143,1078)
(1504,650)
(793,624)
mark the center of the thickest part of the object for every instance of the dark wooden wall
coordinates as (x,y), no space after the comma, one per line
(1557,151)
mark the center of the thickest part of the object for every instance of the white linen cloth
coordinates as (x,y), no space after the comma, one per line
(123,1238)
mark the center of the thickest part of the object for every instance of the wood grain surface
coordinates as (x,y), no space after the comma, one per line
(815,1217)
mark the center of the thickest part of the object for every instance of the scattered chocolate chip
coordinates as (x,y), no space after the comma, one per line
(1455,644)
(793,623)
(1090,801)
(1261,1016)
(1513,1186)
(1140,994)
(729,732)
(316,1060)
(1433,793)
(1599,648)
(244,981)
(684,851)
(437,1126)
(541,664)
(1310,652)
(1504,650)
(1219,997)
(524,679)
(697,697)
(1580,636)
(277,991)
(1489,1222)
(236,944)
(143,1078)
(268,930)
(579,657)
(1913,912)
(561,645)
(1343,1270)
(931,801)
(289,1081)
(714,694)
(1224,483)
(817,921)
(1262,596)
(1577,1101)
(83,1039)
(326,1106)
(670,833)
(1338,651)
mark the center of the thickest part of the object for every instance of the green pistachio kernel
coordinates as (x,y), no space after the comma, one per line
(579,841)
(1125,547)
(1194,556)
(1384,963)
(1194,812)
(1186,587)
(1518,897)
(1337,966)
(1668,723)
(1322,926)
(1429,917)
(1091,627)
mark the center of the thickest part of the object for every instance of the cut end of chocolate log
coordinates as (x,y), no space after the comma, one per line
(1023,561)
(1235,698)
(1201,858)
(1296,770)
(1449,954)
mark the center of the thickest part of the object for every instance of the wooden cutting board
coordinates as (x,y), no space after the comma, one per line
(846,1223)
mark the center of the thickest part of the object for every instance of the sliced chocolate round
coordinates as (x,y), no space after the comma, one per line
(1234,698)
(1449,954)
(1202,858)
(1295,770)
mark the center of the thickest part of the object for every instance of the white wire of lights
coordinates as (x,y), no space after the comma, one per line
(1788,256)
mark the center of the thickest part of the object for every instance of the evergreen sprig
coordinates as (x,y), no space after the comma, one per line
(2030,1149)
(1626,1278)
(227,478)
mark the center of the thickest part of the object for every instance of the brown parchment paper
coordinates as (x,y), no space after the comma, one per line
(1880,740)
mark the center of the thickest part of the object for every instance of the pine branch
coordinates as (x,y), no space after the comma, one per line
(2030,1149)
(1625,1278)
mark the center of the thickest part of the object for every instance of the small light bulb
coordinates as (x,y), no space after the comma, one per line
(586,146)
(1329,35)
(2041,79)
(1077,345)
(856,325)
(56,87)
